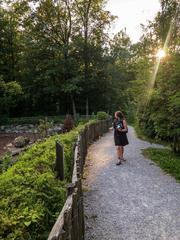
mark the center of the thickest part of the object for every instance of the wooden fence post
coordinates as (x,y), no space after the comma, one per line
(59,166)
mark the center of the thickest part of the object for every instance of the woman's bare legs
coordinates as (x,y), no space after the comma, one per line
(123,154)
(119,153)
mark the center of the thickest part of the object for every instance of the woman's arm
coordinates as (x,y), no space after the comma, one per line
(114,125)
(125,126)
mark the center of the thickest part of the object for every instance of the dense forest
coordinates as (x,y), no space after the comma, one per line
(56,57)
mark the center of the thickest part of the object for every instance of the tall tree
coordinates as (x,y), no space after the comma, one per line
(94,19)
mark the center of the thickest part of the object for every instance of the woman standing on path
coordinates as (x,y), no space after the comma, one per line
(120,138)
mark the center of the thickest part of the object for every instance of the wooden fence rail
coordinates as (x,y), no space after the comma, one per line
(70,223)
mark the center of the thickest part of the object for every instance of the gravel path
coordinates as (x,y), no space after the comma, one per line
(134,201)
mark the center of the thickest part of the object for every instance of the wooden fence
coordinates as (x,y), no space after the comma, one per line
(70,223)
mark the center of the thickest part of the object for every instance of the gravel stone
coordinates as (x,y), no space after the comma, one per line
(133,201)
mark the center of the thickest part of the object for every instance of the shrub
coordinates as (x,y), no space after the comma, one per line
(30,120)
(68,123)
(43,127)
(5,162)
(31,197)
(102,115)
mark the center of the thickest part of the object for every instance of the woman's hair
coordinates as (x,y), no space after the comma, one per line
(119,114)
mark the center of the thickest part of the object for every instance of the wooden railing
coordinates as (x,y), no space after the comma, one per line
(70,223)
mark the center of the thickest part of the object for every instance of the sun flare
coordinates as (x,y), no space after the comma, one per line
(161,53)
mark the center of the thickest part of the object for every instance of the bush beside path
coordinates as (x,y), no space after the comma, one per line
(31,197)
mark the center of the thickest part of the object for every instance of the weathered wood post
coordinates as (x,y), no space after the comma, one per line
(59,166)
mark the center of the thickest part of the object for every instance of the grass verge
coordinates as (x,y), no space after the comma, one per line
(140,134)
(165,159)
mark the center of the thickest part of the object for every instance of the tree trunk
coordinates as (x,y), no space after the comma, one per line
(87,107)
(57,107)
(86,53)
(12,77)
(73,107)
(86,68)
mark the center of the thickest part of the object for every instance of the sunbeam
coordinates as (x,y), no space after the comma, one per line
(159,56)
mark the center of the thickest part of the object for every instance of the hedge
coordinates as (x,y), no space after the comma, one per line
(102,115)
(30,120)
(4,120)
(31,197)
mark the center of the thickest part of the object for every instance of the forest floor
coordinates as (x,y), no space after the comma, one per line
(133,201)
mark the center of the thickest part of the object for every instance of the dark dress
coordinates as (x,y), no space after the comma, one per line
(120,138)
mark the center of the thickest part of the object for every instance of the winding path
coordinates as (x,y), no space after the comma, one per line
(133,201)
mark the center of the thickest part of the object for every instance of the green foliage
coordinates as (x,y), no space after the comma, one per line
(5,162)
(30,120)
(31,197)
(166,159)
(55,57)
(158,118)
(5,120)
(63,69)
(140,132)
(43,127)
(13,88)
(121,72)
(9,91)
(102,115)
(155,90)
